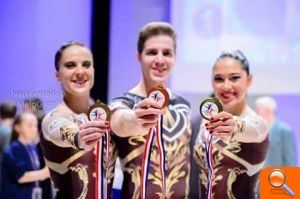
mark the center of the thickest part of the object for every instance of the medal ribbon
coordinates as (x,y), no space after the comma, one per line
(209,159)
(158,131)
(101,182)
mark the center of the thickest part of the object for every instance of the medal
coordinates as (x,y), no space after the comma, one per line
(210,107)
(160,95)
(99,111)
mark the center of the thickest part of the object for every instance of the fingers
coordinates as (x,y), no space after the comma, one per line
(92,144)
(149,106)
(221,124)
(150,111)
(96,123)
(221,116)
(84,134)
(147,102)
(222,134)
(223,129)
(92,136)
(148,119)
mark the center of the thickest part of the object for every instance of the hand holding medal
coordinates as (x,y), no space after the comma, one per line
(220,123)
(91,131)
(160,95)
(209,109)
(100,112)
(149,110)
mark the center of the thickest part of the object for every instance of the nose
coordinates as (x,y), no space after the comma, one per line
(227,85)
(79,71)
(159,59)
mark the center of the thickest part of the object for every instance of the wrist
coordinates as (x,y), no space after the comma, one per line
(240,126)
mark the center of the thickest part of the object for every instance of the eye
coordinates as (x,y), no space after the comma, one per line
(86,64)
(168,53)
(235,78)
(70,65)
(218,79)
(151,52)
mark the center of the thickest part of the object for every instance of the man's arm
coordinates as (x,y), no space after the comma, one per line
(127,122)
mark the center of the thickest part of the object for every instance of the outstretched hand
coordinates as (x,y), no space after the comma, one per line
(90,133)
(148,111)
(222,124)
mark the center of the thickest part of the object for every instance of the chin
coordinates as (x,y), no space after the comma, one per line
(159,79)
(80,91)
(226,102)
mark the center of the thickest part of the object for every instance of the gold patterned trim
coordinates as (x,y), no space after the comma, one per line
(135,153)
(62,168)
(68,133)
(83,176)
(251,169)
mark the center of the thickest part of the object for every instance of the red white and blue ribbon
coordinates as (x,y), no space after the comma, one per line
(158,132)
(101,181)
(210,164)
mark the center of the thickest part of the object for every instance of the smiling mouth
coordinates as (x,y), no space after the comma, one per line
(79,81)
(159,69)
(228,96)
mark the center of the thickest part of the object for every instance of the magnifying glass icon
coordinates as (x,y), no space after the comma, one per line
(277,179)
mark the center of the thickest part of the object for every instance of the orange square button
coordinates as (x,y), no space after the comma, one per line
(280,182)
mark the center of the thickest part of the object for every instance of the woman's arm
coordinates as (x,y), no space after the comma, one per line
(251,128)
(248,128)
(65,133)
(32,176)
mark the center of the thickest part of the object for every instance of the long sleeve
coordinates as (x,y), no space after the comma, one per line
(60,131)
(256,128)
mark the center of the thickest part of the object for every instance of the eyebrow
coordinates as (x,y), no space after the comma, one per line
(153,48)
(218,74)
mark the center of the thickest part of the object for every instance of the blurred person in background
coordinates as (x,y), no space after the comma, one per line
(282,150)
(36,106)
(22,170)
(8,112)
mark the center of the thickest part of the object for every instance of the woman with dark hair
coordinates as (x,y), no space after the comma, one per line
(239,137)
(22,171)
(68,137)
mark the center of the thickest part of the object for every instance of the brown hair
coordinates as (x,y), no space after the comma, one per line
(59,52)
(155,29)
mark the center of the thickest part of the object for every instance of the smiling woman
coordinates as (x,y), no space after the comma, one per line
(232,146)
(68,137)
(75,70)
